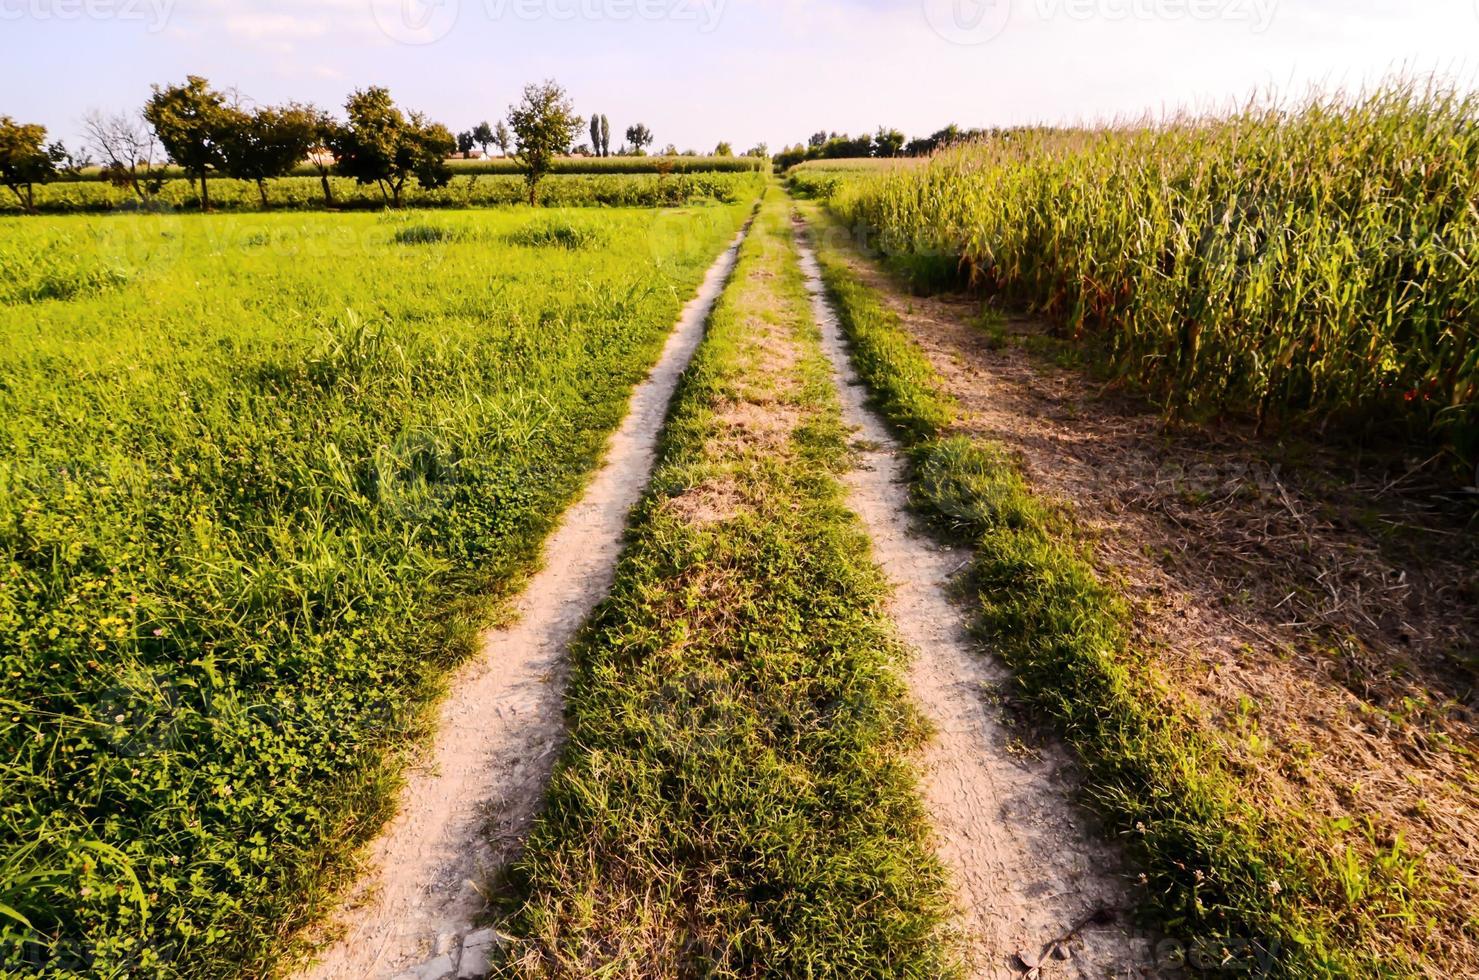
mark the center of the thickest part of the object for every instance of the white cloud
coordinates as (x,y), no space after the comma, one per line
(275,26)
(278,25)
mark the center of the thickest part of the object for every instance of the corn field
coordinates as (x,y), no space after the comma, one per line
(1304,264)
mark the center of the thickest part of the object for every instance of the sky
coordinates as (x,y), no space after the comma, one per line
(745,71)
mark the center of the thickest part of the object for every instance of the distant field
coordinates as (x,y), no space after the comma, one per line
(822,178)
(865,164)
(467,189)
(619,165)
(261,479)
(564,165)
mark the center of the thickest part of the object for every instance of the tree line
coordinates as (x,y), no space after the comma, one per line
(208,132)
(882,144)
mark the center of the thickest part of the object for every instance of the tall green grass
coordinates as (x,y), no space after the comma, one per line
(1312,263)
(261,479)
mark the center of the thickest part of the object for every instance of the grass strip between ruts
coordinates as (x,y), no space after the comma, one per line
(736,798)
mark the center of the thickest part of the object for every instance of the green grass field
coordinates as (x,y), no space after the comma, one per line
(267,474)
(263,477)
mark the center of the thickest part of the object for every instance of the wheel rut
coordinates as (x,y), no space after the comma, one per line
(1037,890)
(467,804)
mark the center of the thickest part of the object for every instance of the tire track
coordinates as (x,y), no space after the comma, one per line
(1028,870)
(465,809)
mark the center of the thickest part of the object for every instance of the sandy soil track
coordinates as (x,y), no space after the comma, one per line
(1028,868)
(465,808)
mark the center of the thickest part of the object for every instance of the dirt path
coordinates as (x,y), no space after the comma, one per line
(466,807)
(1028,868)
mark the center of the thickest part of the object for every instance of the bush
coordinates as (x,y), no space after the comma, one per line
(558,234)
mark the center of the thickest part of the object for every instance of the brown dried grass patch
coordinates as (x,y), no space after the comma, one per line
(711,502)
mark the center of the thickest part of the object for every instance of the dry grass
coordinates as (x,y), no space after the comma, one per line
(711,502)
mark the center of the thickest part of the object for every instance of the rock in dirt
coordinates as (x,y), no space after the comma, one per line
(444,967)
(476,950)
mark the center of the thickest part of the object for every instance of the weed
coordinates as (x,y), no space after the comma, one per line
(429,235)
(559,234)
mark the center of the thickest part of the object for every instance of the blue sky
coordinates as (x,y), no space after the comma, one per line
(697,71)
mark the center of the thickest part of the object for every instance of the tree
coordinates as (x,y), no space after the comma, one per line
(465,143)
(888,143)
(605,136)
(482,134)
(127,150)
(326,130)
(383,145)
(759,150)
(190,121)
(671,150)
(596,133)
(843,147)
(790,157)
(640,137)
(939,139)
(545,123)
(25,160)
(268,143)
(68,163)
(723,150)
(503,138)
